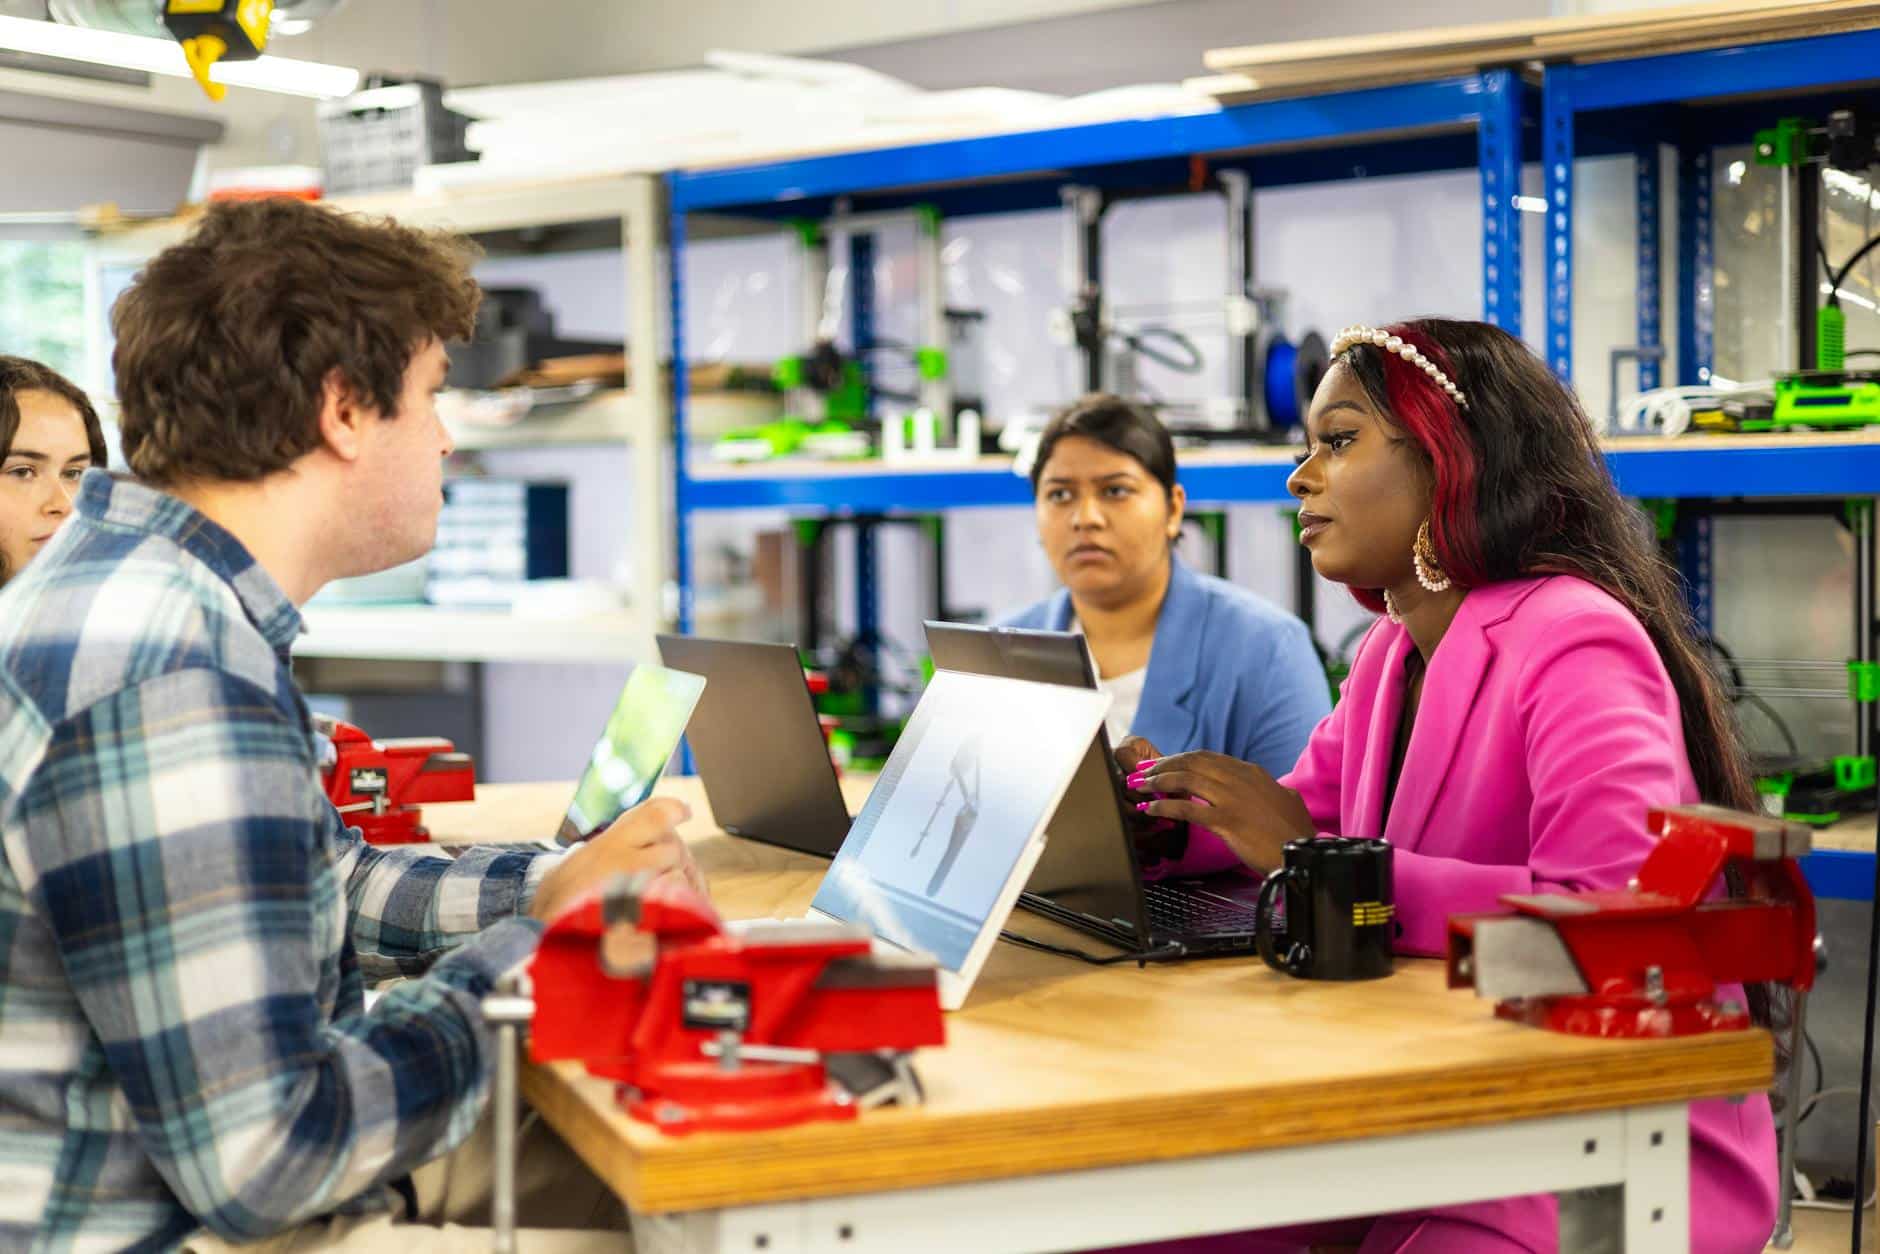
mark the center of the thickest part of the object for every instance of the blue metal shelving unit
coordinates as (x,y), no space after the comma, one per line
(1697,102)
(1747,466)
(1473,121)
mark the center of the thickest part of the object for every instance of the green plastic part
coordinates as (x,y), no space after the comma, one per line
(808,531)
(1804,403)
(1854,774)
(1664,516)
(1784,144)
(782,437)
(1776,785)
(788,373)
(848,402)
(809,232)
(1827,818)
(931,362)
(840,704)
(929,218)
(1863,682)
(1830,337)
(1335,675)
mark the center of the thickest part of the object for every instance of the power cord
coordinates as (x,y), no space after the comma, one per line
(1667,411)
(1138,341)
(1806,1198)
(1142,956)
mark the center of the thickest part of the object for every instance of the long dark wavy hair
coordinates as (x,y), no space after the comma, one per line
(1520,489)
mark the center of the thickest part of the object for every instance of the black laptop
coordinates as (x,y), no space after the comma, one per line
(1088,877)
(758,746)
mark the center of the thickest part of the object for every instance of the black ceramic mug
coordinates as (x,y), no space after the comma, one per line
(1341,915)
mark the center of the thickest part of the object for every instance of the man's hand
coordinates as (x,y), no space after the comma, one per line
(1236,800)
(643,839)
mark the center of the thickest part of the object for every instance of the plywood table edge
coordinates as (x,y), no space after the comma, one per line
(891,1150)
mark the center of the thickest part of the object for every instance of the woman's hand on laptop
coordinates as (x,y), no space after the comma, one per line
(645,838)
(1133,752)
(1247,808)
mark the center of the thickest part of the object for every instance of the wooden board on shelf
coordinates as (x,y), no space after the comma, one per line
(432,633)
(1855,835)
(606,417)
(1346,63)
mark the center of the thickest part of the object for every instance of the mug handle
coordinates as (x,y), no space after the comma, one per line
(1263,917)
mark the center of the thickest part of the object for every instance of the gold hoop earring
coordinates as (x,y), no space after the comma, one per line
(1423,556)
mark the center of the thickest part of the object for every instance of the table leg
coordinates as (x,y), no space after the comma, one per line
(1650,1210)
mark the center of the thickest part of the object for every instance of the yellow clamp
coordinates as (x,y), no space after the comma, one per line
(202,53)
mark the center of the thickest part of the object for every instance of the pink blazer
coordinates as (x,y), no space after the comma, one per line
(1548,727)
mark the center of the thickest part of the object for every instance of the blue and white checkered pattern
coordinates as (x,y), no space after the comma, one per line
(186,923)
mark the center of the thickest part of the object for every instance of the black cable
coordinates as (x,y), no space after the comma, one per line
(1164,954)
(1873,994)
(1788,736)
(1738,693)
(1844,271)
(1138,342)
(1821,1078)
(1734,672)
(1827,267)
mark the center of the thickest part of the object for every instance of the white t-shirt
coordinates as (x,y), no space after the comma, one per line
(1125,695)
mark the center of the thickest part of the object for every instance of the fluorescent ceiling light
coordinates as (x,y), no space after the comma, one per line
(163,56)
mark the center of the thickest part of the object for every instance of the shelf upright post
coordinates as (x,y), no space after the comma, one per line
(1243,331)
(1557,147)
(682,478)
(1084,205)
(1697,298)
(931,354)
(1498,152)
(1860,515)
(640,224)
(1650,293)
(862,331)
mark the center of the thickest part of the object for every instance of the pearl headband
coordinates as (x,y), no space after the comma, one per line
(1353,336)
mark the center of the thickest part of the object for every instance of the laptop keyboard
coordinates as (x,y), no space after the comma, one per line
(1189,912)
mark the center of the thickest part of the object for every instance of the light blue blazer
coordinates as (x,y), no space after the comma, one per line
(1229,671)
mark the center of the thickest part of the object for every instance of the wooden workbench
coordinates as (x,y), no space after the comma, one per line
(1058,1073)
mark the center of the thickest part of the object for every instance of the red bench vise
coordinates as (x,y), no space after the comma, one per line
(1646,960)
(378,785)
(726,1027)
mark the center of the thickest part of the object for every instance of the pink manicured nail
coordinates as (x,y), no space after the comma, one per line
(1142,807)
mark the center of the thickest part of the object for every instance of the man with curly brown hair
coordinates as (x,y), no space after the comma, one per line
(186,924)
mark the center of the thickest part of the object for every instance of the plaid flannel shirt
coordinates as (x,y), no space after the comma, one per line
(186,924)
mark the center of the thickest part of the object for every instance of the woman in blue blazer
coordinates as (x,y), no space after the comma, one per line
(1192,661)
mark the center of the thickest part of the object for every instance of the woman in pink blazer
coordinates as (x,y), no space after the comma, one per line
(1534,690)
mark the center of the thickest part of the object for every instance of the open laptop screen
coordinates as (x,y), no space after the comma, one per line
(639,740)
(964,797)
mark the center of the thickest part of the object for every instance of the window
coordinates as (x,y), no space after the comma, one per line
(42,303)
